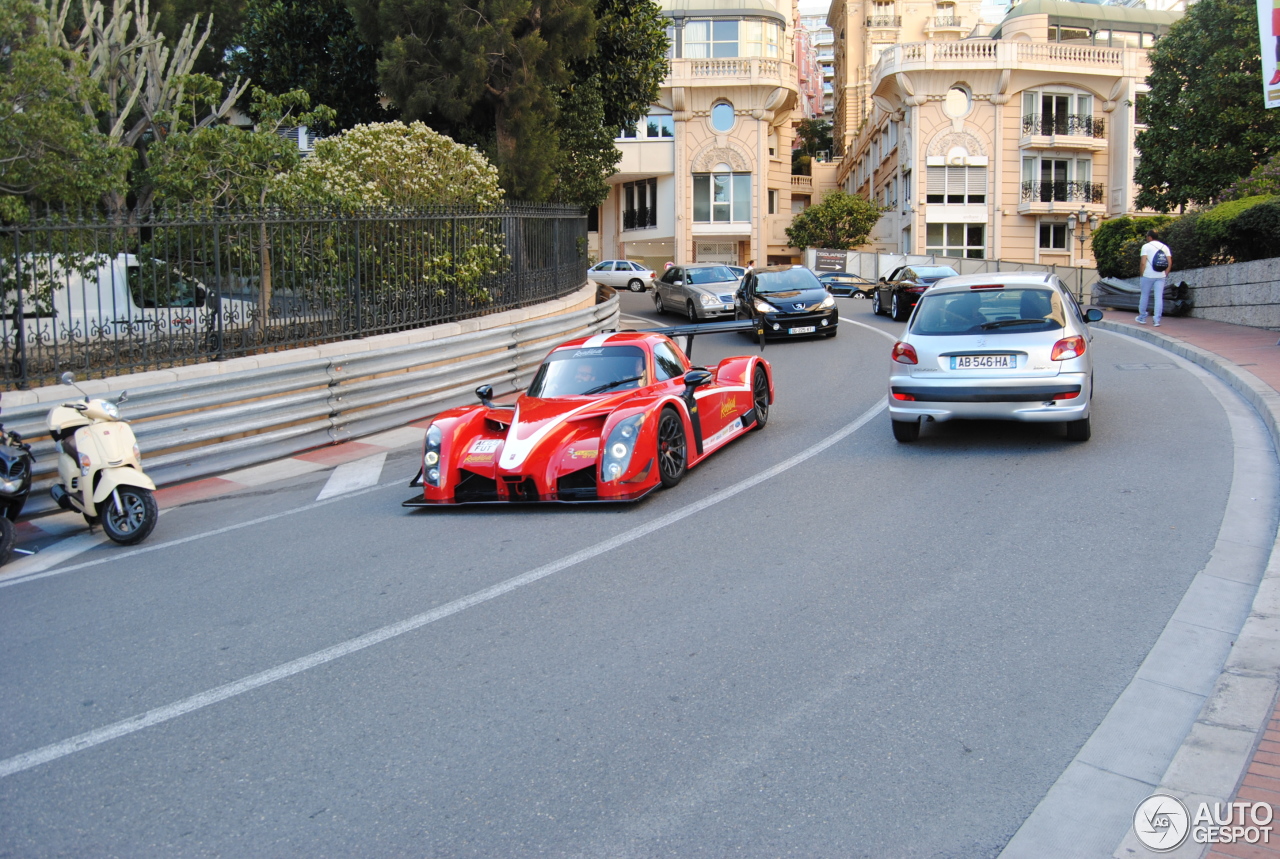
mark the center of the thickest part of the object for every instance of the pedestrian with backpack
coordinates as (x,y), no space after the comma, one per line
(1157,260)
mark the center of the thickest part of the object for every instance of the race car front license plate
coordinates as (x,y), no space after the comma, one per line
(808,329)
(984,362)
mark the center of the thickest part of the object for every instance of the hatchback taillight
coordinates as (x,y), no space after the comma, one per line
(905,353)
(1067,348)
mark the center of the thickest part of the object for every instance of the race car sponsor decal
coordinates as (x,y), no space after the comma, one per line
(518,449)
(724,434)
(585,453)
(486,445)
(588,353)
(729,407)
(477,458)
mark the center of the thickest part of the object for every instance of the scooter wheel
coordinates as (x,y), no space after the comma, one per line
(8,539)
(135,519)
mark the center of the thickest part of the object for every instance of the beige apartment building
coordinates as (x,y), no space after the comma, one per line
(865,29)
(1011,146)
(706,177)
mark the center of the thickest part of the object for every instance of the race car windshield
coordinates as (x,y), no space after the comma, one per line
(996,311)
(583,372)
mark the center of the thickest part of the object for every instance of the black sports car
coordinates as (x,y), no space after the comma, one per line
(898,293)
(1122,295)
(842,283)
(787,301)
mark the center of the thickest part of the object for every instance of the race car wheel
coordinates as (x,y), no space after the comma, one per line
(875,303)
(760,397)
(657,304)
(692,314)
(672,448)
(635,285)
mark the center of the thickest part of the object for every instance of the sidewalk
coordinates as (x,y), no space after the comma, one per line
(1253,350)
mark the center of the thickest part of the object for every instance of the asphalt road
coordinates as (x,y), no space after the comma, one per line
(883,650)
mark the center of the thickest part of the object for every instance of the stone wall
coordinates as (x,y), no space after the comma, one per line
(1243,293)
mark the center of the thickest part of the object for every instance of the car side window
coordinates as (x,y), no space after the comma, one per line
(605,266)
(667,362)
(670,275)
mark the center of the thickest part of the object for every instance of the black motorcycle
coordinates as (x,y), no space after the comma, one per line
(15,485)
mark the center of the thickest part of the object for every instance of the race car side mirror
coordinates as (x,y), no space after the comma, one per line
(696,378)
(485,393)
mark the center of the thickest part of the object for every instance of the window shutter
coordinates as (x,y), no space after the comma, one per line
(977,180)
(937,180)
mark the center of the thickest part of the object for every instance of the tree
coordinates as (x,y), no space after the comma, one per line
(312,45)
(630,59)
(840,222)
(225,20)
(50,149)
(586,156)
(1207,124)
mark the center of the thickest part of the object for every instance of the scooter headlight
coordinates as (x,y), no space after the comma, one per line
(137,454)
(110,410)
(10,486)
(621,445)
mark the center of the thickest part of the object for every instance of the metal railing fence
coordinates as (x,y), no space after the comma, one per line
(1062,192)
(1051,124)
(101,298)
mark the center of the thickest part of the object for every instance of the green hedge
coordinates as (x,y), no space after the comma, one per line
(1238,230)
(1112,240)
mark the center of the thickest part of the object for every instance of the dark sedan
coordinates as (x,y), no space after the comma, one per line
(898,293)
(789,302)
(842,283)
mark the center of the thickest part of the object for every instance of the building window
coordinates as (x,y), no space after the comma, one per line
(1049,178)
(956,240)
(956,185)
(799,202)
(641,199)
(731,38)
(773,202)
(957,102)
(1053,237)
(1140,104)
(721,197)
(593,219)
(659,125)
(1049,113)
(722,117)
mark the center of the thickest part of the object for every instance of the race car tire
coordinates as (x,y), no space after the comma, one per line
(673,448)
(635,285)
(658,307)
(906,430)
(875,303)
(760,397)
(691,312)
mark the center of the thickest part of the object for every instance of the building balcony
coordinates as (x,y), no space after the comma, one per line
(1063,131)
(642,159)
(802,184)
(943,25)
(882,21)
(732,71)
(1001,54)
(1044,198)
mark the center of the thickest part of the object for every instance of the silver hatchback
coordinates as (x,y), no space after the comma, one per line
(994,346)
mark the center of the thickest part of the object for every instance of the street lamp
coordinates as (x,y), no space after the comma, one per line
(1080,219)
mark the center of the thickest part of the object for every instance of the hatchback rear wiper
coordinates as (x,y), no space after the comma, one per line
(600,389)
(1001,323)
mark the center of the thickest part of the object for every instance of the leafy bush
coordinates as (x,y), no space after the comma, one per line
(1255,232)
(1110,244)
(1264,179)
(1183,238)
(1214,226)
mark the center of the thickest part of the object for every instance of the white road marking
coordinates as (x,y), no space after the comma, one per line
(89,739)
(354,475)
(870,328)
(57,553)
(270,472)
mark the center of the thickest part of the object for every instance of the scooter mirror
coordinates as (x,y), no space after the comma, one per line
(124,395)
(67,378)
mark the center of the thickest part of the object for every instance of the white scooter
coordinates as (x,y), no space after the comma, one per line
(100,468)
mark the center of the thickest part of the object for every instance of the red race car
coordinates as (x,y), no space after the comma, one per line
(606,418)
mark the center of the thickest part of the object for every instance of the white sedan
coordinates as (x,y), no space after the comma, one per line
(620,274)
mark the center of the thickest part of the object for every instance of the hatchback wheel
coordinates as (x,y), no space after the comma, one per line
(906,430)
(1078,430)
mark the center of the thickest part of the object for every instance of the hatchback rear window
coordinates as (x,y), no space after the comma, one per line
(995,311)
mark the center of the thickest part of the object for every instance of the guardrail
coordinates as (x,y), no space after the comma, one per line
(200,427)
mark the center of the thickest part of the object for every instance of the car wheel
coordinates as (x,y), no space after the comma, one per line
(693,314)
(658,306)
(760,396)
(906,430)
(895,310)
(635,285)
(673,458)
(135,519)
(1078,430)
(857,295)
(875,303)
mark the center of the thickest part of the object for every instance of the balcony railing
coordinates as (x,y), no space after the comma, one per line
(946,21)
(884,20)
(1062,192)
(1063,123)
(641,218)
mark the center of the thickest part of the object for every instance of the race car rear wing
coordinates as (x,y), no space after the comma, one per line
(694,329)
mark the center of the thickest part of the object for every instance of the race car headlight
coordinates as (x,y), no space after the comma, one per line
(708,300)
(828,302)
(765,307)
(431,456)
(618,450)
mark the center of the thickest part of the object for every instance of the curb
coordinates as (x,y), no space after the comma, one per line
(1217,751)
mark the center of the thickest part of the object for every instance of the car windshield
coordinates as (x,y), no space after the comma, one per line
(791,280)
(581,372)
(716,274)
(930,271)
(988,311)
